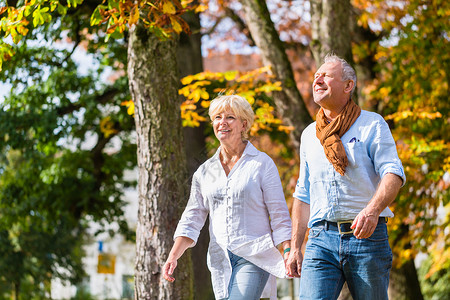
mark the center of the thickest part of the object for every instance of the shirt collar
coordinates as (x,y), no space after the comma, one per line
(249,150)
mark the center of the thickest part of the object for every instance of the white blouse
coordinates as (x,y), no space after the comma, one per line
(248,215)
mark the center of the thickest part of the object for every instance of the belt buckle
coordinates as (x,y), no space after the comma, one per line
(344,222)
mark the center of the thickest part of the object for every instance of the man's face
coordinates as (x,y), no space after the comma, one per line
(328,86)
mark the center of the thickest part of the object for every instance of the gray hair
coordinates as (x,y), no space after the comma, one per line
(348,73)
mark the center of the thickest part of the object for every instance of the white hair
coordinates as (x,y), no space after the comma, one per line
(348,73)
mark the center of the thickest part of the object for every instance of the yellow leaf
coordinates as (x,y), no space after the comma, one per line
(168,8)
(197,94)
(188,79)
(201,8)
(130,109)
(264,69)
(286,129)
(197,117)
(187,106)
(428,115)
(202,83)
(384,92)
(230,75)
(186,123)
(184,91)
(134,15)
(130,106)
(204,94)
(107,127)
(190,119)
(363,20)
(269,87)
(249,95)
(404,115)
(205,104)
(185,3)
(22,30)
(175,25)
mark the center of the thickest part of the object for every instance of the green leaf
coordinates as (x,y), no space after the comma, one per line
(96,17)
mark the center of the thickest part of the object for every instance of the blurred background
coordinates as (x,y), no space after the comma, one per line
(69,173)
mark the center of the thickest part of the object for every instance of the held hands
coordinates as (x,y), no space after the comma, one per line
(168,269)
(294,263)
(364,224)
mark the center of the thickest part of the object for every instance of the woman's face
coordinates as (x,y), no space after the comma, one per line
(228,127)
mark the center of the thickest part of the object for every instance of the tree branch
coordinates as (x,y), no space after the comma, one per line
(211,30)
(100,99)
(240,24)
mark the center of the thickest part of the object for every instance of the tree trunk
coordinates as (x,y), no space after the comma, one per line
(365,68)
(330,29)
(404,283)
(289,101)
(152,72)
(190,61)
(16,290)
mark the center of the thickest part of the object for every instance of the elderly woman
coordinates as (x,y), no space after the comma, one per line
(240,188)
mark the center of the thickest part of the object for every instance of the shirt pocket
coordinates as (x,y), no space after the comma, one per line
(217,199)
(355,153)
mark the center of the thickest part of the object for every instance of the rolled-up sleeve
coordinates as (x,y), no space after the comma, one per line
(302,188)
(275,201)
(194,215)
(384,152)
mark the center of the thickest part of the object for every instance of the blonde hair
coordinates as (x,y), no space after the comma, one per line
(238,105)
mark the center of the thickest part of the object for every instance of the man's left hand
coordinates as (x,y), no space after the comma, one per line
(364,224)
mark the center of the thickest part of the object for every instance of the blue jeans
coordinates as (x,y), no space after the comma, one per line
(247,280)
(331,259)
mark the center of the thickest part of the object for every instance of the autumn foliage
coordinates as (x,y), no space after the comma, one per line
(410,87)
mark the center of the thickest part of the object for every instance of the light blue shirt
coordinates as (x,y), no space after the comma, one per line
(371,154)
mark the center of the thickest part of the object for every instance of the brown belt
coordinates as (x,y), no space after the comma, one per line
(343,226)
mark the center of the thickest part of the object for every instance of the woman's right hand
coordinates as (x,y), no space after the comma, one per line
(168,269)
(180,245)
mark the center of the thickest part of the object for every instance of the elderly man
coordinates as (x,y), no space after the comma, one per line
(349,174)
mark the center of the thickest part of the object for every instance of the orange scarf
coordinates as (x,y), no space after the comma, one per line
(330,134)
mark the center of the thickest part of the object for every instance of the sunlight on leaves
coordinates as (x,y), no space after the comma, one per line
(255,85)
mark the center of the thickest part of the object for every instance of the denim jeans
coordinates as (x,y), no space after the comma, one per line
(247,280)
(331,259)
